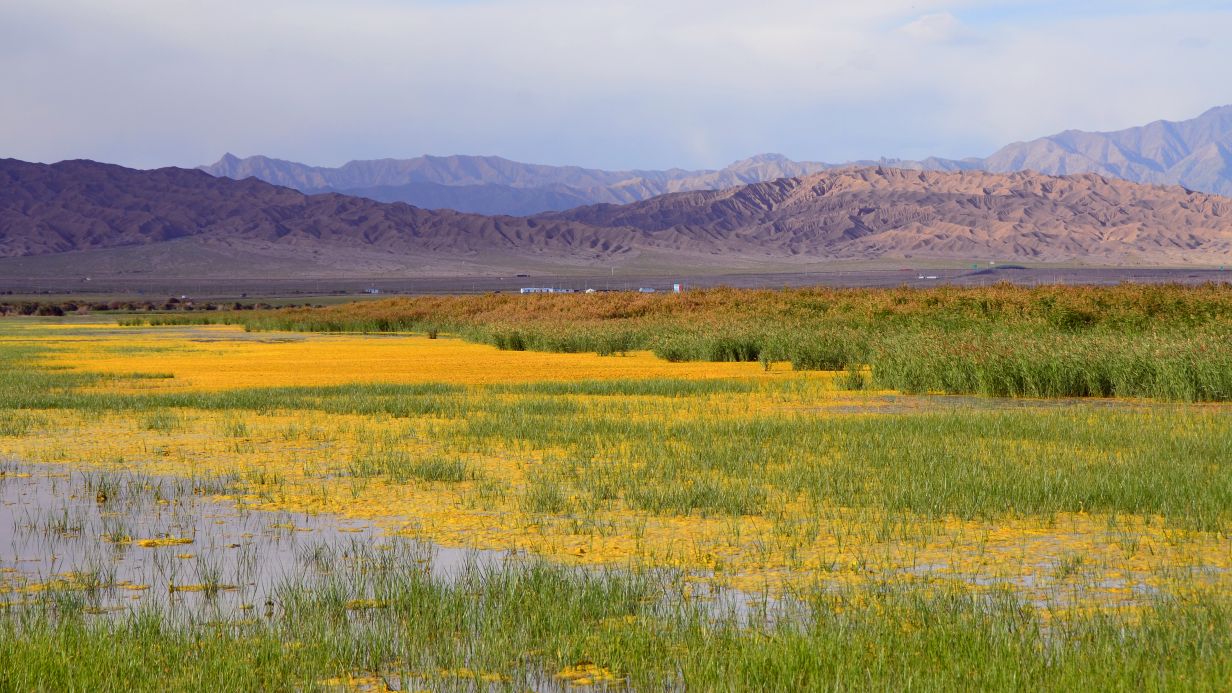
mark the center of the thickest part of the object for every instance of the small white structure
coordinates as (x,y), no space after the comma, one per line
(544,290)
(646,290)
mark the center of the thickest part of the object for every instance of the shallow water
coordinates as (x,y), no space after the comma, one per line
(68,534)
(79,535)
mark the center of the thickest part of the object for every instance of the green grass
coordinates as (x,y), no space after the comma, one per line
(544,495)
(162,421)
(401,466)
(967,463)
(527,621)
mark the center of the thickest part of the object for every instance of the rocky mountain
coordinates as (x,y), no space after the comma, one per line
(1196,154)
(493,185)
(172,218)
(85,206)
(871,212)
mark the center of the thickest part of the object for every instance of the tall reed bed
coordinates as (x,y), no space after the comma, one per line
(1191,365)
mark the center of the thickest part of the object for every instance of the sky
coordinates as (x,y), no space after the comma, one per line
(611,84)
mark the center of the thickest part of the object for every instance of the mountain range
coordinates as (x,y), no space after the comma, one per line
(1196,154)
(83,217)
(493,185)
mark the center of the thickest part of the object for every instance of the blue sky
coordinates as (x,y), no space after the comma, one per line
(632,84)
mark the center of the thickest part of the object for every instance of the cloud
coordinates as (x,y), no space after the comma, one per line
(939,27)
(635,83)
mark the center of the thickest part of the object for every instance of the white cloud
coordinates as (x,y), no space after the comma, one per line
(635,83)
(939,27)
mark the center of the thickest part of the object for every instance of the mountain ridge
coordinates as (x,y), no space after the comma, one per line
(847,214)
(1194,153)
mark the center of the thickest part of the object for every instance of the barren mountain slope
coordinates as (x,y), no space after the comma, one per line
(872,212)
(844,214)
(82,205)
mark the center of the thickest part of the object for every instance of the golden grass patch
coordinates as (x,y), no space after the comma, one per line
(225,357)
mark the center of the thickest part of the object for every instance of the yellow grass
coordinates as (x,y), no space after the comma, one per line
(224,357)
(297,460)
(163,541)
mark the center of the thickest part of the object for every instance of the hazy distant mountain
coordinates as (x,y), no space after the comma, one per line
(1194,153)
(478,199)
(492,185)
(173,222)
